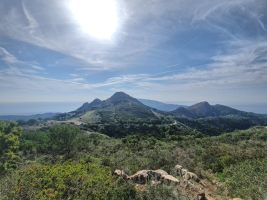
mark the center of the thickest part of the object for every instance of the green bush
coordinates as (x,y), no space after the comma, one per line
(9,146)
(35,141)
(62,139)
(60,181)
(247,179)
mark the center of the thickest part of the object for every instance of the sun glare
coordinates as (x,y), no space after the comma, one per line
(99,18)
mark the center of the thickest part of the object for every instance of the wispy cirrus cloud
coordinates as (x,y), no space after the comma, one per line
(16,65)
(56,30)
(168,50)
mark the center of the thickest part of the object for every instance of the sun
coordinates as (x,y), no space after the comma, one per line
(98,18)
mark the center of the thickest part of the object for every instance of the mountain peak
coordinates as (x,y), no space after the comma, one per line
(121,96)
(96,101)
(89,106)
(202,103)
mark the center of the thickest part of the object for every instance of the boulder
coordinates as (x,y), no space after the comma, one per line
(140,177)
(191,176)
(178,169)
(120,173)
(169,179)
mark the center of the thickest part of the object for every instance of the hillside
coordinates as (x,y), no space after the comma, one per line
(119,107)
(65,162)
(205,110)
(216,119)
(122,114)
(160,105)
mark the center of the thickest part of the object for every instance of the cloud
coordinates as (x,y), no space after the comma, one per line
(48,24)
(18,66)
(229,35)
(33,24)
(7,57)
(243,68)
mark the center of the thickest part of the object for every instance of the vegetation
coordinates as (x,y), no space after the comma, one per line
(64,162)
(9,145)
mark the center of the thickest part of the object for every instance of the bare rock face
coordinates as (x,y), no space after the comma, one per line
(140,177)
(144,176)
(156,175)
(160,171)
(169,179)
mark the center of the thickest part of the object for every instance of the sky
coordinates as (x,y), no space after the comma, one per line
(175,51)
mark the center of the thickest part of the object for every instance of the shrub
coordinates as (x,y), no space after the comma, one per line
(247,179)
(62,138)
(9,146)
(60,181)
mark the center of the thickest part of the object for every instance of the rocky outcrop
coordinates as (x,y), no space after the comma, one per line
(169,179)
(188,183)
(185,174)
(140,177)
(144,176)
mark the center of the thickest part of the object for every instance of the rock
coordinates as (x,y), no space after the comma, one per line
(191,176)
(140,177)
(178,169)
(169,179)
(155,183)
(156,174)
(184,171)
(120,173)
(160,171)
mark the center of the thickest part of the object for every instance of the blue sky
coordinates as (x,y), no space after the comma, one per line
(179,51)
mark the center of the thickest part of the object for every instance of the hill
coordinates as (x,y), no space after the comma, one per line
(119,107)
(216,119)
(160,105)
(205,110)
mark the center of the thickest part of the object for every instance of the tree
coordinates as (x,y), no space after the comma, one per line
(9,145)
(62,138)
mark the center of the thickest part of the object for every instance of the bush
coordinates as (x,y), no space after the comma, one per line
(60,181)
(9,146)
(247,179)
(62,138)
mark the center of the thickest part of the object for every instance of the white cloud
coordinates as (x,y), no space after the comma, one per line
(48,24)
(17,66)
(7,57)
(240,65)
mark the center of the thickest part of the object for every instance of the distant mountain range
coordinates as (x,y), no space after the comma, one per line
(122,108)
(206,118)
(160,105)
